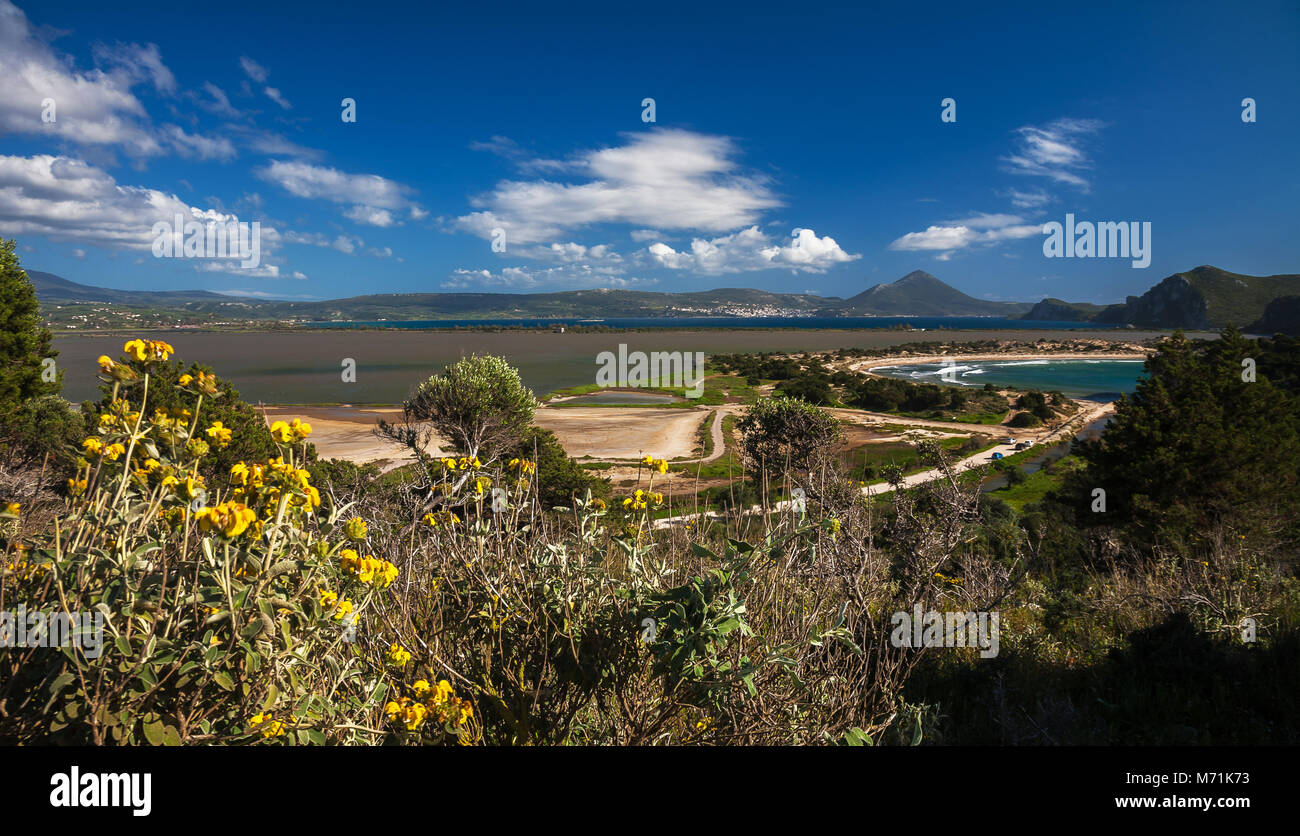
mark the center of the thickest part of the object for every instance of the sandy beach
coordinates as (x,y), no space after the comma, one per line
(600,433)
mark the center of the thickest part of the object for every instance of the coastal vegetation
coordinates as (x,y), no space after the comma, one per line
(253,593)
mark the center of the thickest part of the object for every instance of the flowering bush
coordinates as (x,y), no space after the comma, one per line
(225,611)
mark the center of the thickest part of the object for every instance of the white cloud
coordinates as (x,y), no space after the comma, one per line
(643,235)
(94,107)
(1028,200)
(751,249)
(220,102)
(374,199)
(194,145)
(253,70)
(141,62)
(666,179)
(570,253)
(370,216)
(65,199)
(527,278)
(983,228)
(274,95)
(346,244)
(1054,151)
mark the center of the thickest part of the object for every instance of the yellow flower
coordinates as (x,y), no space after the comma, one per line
(144,350)
(356,529)
(228,518)
(137,350)
(93,445)
(349,561)
(328,599)
(415,716)
(449,464)
(421,687)
(106,364)
(185,379)
(301,429)
(430,520)
(270,727)
(220,434)
(661,465)
(398,656)
(282,432)
(341,612)
(648,460)
(114,451)
(193,485)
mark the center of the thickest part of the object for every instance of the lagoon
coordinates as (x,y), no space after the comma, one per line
(304,367)
(1096,380)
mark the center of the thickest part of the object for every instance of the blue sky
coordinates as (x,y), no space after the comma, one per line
(795,148)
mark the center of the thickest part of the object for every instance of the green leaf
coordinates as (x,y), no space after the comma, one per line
(153,732)
(224,681)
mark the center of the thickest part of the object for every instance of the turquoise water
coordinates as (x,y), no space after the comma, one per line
(1100,380)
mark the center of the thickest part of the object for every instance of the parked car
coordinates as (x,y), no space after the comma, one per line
(1008,440)
(1024,445)
(997,456)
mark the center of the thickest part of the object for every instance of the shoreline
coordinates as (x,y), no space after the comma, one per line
(923,359)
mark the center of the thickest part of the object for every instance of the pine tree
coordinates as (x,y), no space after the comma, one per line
(24,343)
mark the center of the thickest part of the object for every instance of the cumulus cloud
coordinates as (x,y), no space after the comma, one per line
(96,107)
(375,200)
(751,249)
(65,199)
(665,179)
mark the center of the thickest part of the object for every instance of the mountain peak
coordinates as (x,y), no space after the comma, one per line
(921,294)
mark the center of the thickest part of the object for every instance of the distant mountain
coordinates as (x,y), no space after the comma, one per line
(1282,316)
(921,294)
(1055,310)
(916,294)
(52,289)
(1206,297)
